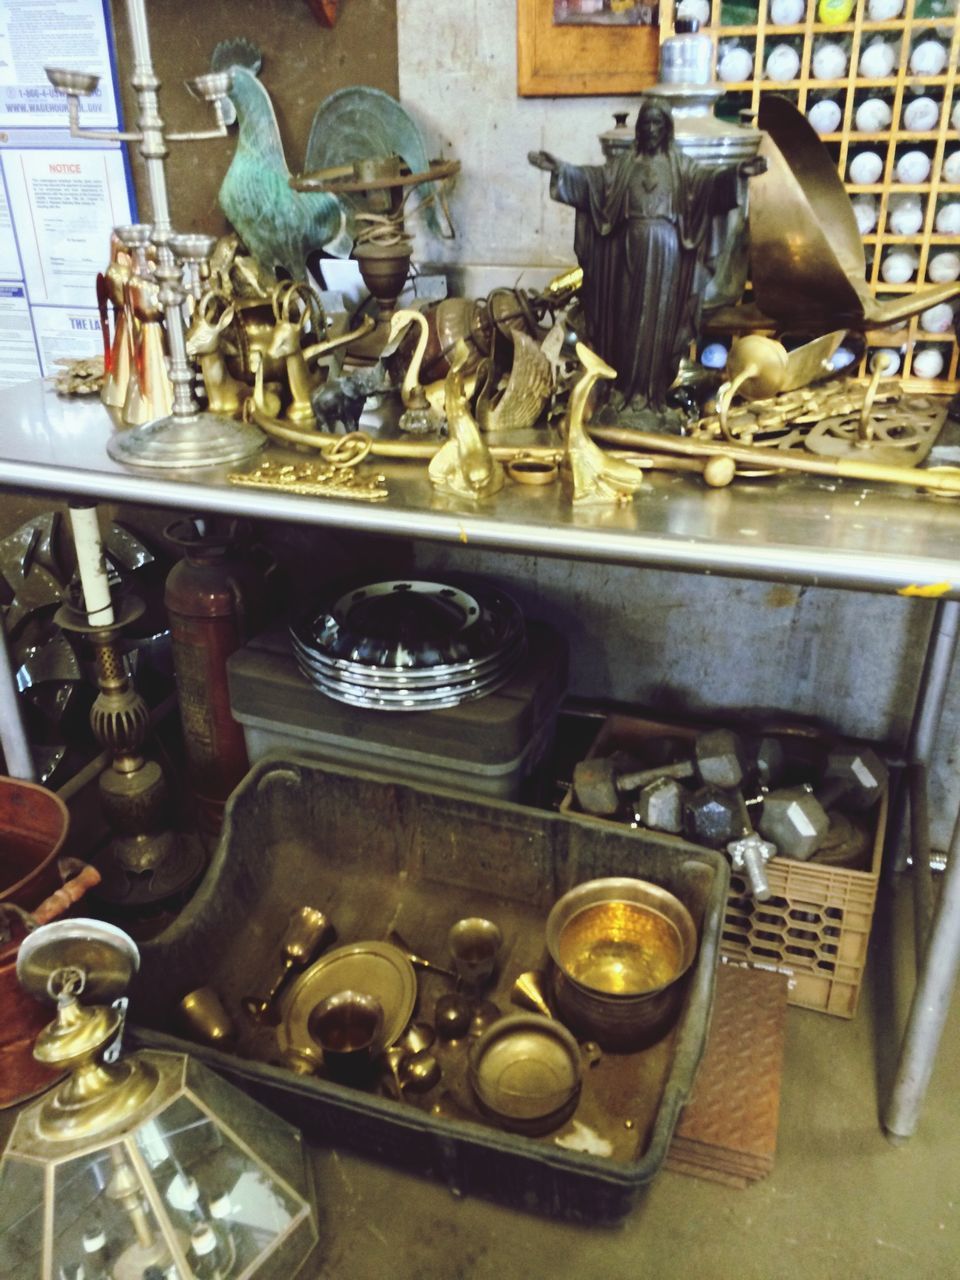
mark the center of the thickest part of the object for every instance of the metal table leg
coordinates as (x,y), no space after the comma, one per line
(931,1003)
(13,737)
(937,970)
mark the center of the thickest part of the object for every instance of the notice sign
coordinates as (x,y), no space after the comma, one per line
(72,34)
(60,197)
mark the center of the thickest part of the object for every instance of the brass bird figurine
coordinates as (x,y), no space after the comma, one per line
(463,466)
(520,403)
(596,476)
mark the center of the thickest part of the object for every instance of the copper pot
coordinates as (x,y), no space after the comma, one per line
(33,827)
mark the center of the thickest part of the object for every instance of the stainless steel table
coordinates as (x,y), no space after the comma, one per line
(798,530)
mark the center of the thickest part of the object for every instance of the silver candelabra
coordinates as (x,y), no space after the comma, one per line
(189,436)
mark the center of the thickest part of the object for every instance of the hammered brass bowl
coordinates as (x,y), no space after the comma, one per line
(619,948)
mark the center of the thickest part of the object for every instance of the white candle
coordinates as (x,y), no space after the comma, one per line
(91,566)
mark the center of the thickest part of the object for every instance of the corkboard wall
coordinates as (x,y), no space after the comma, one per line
(303,62)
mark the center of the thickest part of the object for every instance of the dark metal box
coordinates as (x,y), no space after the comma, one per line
(378,855)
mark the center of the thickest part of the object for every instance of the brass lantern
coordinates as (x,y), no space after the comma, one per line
(149,1167)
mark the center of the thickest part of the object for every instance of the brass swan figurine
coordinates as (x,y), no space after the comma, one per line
(520,403)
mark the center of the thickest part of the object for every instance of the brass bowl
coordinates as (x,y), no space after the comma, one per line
(619,947)
(526,1073)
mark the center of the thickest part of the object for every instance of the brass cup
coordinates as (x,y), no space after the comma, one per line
(475,944)
(202,1013)
(348,1027)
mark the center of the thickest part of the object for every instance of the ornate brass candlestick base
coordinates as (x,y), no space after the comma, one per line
(146,862)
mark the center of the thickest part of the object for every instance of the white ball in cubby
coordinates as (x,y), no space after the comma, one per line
(865,213)
(951,168)
(947,221)
(825,115)
(905,215)
(938,319)
(735,64)
(912,168)
(955,115)
(829,61)
(841,358)
(878,60)
(714,356)
(698,9)
(786,13)
(922,114)
(928,58)
(884,10)
(865,168)
(872,115)
(888,357)
(943,267)
(927,362)
(783,63)
(899,266)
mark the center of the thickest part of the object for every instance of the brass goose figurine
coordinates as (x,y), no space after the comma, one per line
(596,476)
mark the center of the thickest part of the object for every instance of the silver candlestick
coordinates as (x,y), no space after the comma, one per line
(189,436)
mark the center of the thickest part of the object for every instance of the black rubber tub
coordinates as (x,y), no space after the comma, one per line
(376,857)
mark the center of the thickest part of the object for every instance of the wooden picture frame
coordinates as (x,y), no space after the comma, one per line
(562,60)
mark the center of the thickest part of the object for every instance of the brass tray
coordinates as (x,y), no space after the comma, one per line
(377,969)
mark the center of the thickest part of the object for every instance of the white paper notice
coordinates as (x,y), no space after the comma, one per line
(18,352)
(9,258)
(66,333)
(53,33)
(65,204)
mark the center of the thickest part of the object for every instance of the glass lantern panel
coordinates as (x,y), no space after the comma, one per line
(277,1143)
(207,1179)
(103,1226)
(21,1220)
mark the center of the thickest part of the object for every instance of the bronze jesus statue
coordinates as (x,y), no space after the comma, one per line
(643,237)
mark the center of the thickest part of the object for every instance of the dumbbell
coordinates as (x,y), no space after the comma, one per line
(719,819)
(718,760)
(795,820)
(854,778)
(598,785)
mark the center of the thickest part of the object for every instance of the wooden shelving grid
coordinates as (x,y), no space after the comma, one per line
(750,25)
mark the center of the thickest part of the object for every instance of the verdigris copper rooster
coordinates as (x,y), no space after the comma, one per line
(278,225)
(281,226)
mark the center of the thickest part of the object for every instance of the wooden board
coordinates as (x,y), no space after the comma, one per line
(569,59)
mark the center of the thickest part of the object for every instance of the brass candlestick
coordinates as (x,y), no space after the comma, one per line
(146,862)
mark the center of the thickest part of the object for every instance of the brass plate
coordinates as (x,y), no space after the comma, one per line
(377,969)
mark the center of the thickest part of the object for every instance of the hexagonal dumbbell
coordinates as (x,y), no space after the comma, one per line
(714,817)
(598,784)
(720,758)
(659,805)
(768,759)
(854,778)
(795,820)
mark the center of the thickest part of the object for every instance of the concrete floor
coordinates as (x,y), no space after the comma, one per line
(841,1200)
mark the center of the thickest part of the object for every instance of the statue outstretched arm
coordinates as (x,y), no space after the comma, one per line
(543,160)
